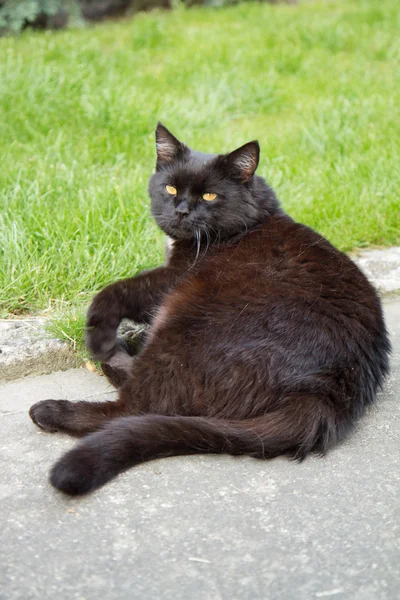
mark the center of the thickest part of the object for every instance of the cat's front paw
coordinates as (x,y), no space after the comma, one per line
(50,415)
(101,327)
(101,340)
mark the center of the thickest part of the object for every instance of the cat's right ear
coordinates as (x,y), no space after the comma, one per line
(168,147)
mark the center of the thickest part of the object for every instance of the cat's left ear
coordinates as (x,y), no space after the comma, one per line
(168,147)
(243,162)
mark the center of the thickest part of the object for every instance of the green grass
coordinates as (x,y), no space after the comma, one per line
(318,84)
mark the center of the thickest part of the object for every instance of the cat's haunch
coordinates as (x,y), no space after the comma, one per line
(263,338)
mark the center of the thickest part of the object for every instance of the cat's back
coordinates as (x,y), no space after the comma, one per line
(284,259)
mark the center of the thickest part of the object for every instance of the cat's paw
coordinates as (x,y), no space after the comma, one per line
(50,415)
(101,341)
(101,328)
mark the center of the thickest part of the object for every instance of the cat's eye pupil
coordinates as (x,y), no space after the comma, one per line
(209,197)
(171,190)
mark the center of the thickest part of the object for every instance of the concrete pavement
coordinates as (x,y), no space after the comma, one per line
(202,527)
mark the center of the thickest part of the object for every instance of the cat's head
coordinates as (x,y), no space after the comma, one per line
(197,195)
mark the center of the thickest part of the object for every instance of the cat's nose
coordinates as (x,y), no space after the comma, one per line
(182,208)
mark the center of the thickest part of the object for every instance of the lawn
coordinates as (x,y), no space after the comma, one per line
(318,84)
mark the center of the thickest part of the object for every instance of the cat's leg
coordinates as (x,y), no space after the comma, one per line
(300,425)
(135,299)
(82,417)
(75,418)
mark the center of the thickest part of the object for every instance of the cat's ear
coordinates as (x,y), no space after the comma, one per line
(243,162)
(167,146)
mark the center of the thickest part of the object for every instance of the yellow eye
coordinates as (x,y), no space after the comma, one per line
(171,190)
(209,197)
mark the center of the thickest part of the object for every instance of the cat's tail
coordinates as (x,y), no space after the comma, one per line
(301,425)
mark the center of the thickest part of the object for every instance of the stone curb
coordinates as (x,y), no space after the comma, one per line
(27,349)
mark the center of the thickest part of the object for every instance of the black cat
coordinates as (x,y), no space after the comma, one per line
(264,339)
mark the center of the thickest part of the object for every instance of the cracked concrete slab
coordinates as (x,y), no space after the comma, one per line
(202,527)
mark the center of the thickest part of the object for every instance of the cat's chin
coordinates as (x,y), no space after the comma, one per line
(179,235)
(184,231)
